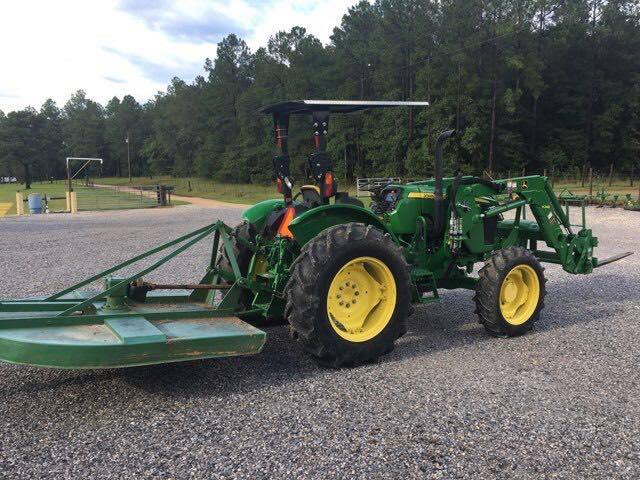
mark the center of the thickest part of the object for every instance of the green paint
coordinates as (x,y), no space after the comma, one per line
(312,222)
(102,345)
(135,330)
(258,213)
(117,327)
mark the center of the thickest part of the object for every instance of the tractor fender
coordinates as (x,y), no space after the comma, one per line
(257,214)
(311,223)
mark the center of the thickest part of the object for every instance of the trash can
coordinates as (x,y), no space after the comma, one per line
(35,203)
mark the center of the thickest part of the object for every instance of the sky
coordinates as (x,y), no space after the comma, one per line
(50,49)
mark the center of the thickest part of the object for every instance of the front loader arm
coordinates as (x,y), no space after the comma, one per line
(574,251)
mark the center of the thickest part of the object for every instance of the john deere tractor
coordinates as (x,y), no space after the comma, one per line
(344,277)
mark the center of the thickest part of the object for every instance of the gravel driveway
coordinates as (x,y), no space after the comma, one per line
(449,402)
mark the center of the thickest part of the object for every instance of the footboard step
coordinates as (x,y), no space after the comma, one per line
(135,330)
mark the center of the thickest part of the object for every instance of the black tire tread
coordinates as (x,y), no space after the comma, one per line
(487,292)
(302,292)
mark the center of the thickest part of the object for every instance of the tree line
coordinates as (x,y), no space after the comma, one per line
(529,84)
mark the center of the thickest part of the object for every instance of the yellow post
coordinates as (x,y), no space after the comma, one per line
(74,202)
(68,197)
(5,207)
(19,204)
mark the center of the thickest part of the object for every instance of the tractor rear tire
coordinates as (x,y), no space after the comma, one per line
(510,292)
(348,295)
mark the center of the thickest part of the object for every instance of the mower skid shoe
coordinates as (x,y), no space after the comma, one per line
(123,341)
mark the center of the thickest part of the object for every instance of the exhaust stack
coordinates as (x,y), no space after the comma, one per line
(437,193)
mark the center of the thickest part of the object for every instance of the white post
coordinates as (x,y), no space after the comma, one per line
(86,162)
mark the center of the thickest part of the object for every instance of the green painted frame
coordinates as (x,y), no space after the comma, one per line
(79,329)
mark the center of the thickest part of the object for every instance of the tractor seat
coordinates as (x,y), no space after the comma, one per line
(310,196)
(344,198)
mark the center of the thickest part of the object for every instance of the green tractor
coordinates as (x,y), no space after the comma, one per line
(344,277)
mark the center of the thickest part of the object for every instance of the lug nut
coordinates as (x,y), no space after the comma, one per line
(347,305)
(356,293)
(341,303)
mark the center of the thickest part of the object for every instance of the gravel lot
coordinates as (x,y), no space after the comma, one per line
(449,402)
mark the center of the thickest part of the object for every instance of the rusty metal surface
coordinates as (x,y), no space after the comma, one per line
(122,340)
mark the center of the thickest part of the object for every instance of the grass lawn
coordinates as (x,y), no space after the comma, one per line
(89,199)
(226,192)
(196,187)
(250,193)
(621,187)
(8,194)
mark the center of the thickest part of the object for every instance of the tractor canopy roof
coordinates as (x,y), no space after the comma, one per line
(305,107)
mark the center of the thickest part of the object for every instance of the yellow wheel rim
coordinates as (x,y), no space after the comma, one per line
(361,299)
(519,294)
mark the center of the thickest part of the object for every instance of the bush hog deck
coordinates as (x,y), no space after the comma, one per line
(343,276)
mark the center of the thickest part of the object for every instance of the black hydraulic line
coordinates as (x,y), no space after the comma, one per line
(186,286)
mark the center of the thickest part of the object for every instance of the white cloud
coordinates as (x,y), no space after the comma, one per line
(319,18)
(111,47)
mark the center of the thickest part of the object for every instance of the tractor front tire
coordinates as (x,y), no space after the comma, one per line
(510,292)
(348,295)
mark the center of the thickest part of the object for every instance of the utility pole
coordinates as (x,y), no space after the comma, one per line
(128,156)
(611,175)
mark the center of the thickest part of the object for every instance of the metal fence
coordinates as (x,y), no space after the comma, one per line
(579,176)
(114,198)
(599,178)
(373,182)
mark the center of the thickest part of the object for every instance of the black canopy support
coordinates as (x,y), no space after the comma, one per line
(319,161)
(281,159)
(306,107)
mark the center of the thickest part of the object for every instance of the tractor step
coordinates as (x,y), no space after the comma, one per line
(426,299)
(120,340)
